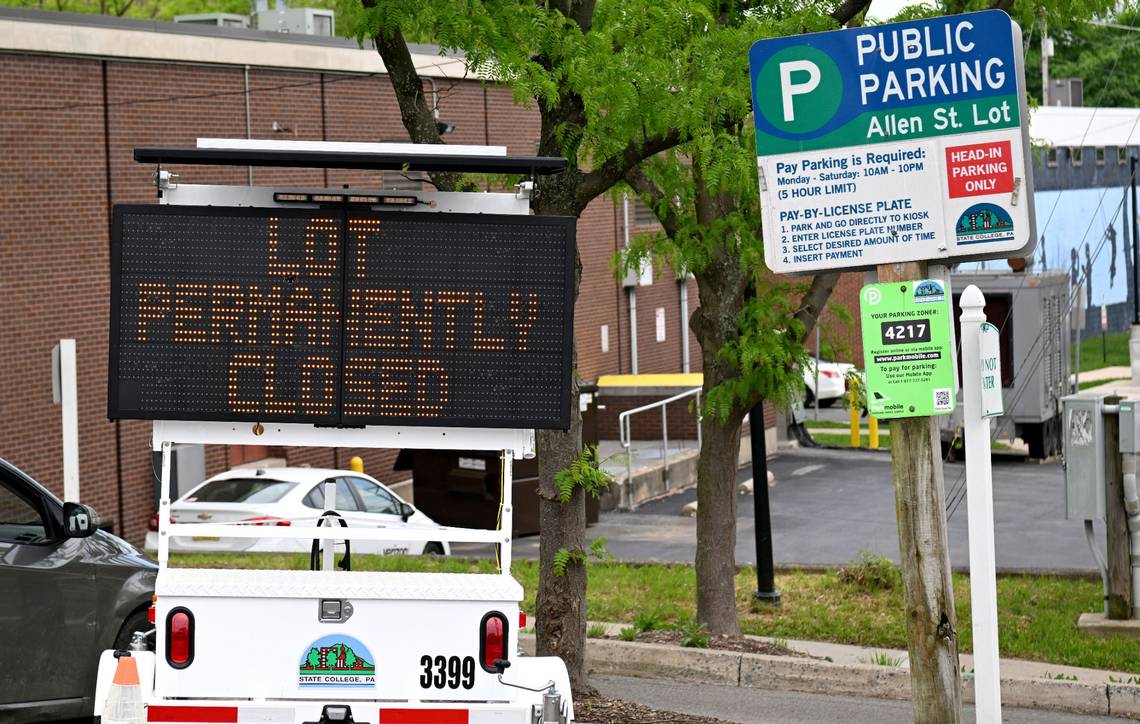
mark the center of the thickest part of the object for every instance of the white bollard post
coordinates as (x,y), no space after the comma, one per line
(64,391)
(980,501)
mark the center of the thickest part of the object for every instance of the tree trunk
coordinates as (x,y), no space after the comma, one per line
(716,523)
(928,594)
(715,323)
(561,600)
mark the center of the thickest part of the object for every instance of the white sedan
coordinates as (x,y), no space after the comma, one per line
(832,381)
(284,496)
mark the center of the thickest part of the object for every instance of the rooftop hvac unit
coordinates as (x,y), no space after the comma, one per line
(298,21)
(220,20)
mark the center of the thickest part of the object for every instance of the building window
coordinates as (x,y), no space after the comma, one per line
(1122,155)
(1100,155)
(643,215)
(1076,155)
(1051,156)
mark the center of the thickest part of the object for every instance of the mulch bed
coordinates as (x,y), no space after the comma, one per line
(722,642)
(600,710)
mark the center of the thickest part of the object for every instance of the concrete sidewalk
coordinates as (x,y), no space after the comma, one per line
(1010,668)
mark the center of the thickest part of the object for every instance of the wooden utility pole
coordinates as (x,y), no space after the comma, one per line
(928,594)
(1119,593)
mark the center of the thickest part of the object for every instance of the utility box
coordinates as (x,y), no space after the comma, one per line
(1129,427)
(1083,441)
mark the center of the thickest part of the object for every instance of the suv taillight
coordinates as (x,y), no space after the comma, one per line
(180,638)
(152,524)
(492,640)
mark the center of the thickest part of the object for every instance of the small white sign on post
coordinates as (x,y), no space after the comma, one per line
(989,347)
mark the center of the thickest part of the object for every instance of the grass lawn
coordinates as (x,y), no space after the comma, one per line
(1092,352)
(832,424)
(844,439)
(1038,614)
(1097,383)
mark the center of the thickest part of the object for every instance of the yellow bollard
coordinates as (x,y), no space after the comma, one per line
(356,464)
(853,407)
(872,432)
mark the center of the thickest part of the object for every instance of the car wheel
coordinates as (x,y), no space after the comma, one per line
(137,621)
(828,402)
(433,549)
(809,397)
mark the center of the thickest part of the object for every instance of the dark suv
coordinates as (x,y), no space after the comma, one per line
(67,592)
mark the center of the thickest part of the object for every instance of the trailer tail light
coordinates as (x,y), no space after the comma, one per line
(492,640)
(522,620)
(180,638)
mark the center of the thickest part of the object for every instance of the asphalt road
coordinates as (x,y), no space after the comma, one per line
(757,705)
(827,505)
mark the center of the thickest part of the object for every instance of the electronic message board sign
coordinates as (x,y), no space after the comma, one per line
(341,317)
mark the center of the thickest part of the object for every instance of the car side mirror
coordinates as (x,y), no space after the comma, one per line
(406,511)
(79,520)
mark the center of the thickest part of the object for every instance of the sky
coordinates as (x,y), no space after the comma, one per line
(883,10)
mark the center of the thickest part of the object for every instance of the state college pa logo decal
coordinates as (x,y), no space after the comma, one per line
(337,660)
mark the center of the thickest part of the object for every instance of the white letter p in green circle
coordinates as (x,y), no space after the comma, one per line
(799,89)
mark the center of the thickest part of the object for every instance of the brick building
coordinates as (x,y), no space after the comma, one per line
(81,91)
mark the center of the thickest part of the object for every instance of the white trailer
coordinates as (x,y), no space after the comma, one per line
(332,645)
(311,646)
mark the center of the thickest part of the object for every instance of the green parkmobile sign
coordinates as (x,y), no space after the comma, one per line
(907,351)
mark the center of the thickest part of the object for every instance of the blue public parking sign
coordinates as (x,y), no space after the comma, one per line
(897,142)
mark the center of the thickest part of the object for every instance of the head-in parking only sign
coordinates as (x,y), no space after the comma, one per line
(892,143)
(906,348)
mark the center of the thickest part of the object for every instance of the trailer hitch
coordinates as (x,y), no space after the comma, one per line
(553,709)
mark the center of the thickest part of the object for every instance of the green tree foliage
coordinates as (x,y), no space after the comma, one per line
(1107,59)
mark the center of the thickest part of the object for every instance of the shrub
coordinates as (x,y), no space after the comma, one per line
(871,572)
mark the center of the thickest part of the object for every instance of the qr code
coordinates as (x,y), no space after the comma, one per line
(942,399)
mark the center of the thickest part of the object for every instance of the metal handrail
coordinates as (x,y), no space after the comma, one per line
(625,435)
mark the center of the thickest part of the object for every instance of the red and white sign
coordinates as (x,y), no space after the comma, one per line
(979,169)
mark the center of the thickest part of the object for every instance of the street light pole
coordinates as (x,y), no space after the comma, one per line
(765,569)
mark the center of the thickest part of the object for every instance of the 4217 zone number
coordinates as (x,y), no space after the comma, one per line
(906,331)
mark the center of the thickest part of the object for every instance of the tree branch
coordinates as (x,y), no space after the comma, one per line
(848,9)
(646,187)
(811,306)
(615,168)
(415,114)
(1001,5)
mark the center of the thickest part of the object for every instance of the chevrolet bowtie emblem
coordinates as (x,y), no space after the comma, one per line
(204,516)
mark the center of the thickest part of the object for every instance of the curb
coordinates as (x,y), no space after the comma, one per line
(813,676)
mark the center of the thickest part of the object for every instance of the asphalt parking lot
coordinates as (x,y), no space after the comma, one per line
(827,505)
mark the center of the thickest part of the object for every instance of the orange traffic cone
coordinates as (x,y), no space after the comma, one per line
(124,701)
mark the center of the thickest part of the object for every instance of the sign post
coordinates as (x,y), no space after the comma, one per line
(896,147)
(65,394)
(981,400)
